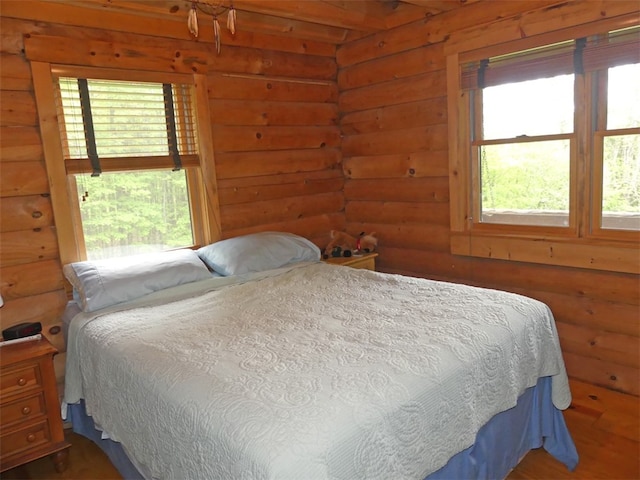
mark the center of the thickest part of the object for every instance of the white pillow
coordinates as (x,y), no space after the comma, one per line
(258,252)
(103,283)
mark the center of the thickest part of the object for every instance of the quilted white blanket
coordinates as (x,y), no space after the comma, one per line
(314,372)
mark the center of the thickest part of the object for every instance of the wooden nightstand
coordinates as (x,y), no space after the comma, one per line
(30,421)
(366,261)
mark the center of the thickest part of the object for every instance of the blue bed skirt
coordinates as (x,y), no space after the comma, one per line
(500,444)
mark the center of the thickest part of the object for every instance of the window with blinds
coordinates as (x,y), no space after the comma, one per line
(523,131)
(549,148)
(523,137)
(613,61)
(106,119)
(125,145)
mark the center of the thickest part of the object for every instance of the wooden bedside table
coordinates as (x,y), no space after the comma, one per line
(30,421)
(366,261)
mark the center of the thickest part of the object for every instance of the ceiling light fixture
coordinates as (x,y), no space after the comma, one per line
(213,11)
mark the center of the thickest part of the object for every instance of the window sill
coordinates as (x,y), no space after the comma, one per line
(573,252)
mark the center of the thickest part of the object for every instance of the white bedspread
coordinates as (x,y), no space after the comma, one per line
(316,372)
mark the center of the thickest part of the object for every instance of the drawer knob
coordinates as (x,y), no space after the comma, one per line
(31,437)
(22,382)
(26,410)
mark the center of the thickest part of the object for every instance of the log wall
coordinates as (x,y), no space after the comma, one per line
(274,118)
(395,161)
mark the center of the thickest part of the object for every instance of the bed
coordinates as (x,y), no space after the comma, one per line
(295,368)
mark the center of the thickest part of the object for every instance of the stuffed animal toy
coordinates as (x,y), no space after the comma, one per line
(344,245)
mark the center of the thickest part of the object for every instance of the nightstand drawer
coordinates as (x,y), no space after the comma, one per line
(23,409)
(19,380)
(26,438)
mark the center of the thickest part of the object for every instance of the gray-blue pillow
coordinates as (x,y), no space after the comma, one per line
(257,252)
(103,283)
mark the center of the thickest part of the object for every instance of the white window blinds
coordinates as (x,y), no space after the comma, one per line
(116,119)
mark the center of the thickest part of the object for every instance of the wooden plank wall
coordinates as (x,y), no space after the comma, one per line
(274,116)
(394,121)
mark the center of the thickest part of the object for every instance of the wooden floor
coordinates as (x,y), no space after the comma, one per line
(604,424)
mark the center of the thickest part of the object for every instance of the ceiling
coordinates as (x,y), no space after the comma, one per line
(334,21)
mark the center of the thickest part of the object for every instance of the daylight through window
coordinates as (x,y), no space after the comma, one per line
(524,133)
(126,144)
(548,150)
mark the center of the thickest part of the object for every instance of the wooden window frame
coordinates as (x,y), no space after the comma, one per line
(599,82)
(200,170)
(580,245)
(476,189)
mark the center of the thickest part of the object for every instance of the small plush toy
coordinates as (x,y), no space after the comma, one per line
(344,245)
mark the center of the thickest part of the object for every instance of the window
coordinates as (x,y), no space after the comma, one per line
(523,150)
(547,160)
(130,153)
(133,212)
(617,151)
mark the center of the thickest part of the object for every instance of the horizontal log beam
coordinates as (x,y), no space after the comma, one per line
(414,164)
(252,164)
